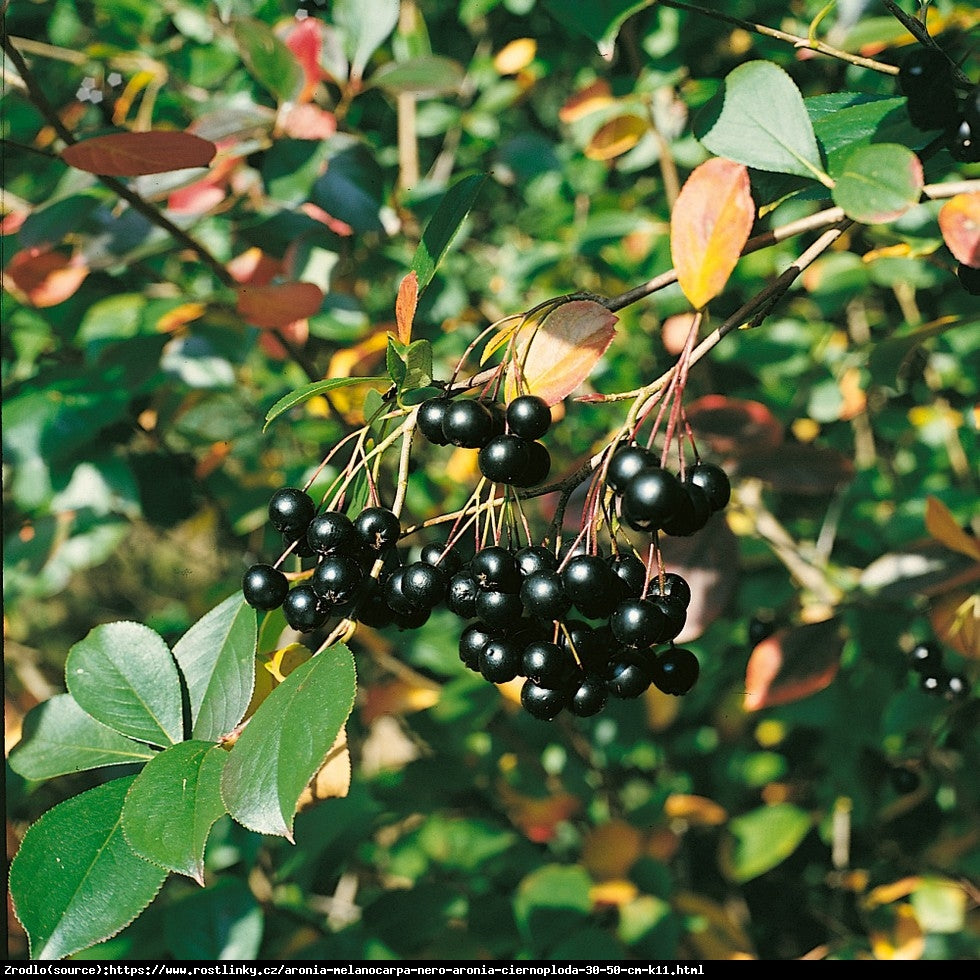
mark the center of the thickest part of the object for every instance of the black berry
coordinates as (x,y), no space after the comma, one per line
(430,419)
(625,463)
(637,624)
(538,466)
(651,498)
(500,660)
(461,595)
(331,531)
(628,677)
(714,481)
(543,703)
(926,657)
(472,642)
(547,664)
(535,558)
(336,578)
(495,568)
(543,595)
(264,587)
(468,424)
(529,416)
(424,585)
(504,459)
(302,609)
(675,671)
(589,698)
(291,510)
(501,609)
(377,527)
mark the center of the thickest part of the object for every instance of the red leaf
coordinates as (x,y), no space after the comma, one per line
(278,305)
(959,221)
(305,40)
(793,664)
(708,561)
(557,354)
(307,122)
(254,268)
(297,333)
(337,226)
(732,427)
(137,154)
(709,227)
(798,468)
(43,277)
(405,304)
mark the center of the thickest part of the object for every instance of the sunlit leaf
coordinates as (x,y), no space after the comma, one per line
(43,277)
(955,619)
(763,838)
(313,389)
(616,137)
(611,849)
(696,810)
(585,101)
(558,354)
(405,303)
(365,24)
(793,664)
(280,304)
(515,56)
(136,154)
(959,221)
(879,183)
(271,63)
(332,779)
(709,226)
(552,902)
(941,524)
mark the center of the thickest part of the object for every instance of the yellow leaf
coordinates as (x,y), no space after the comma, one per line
(942,526)
(709,227)
(614,138)
(506,328)
(332,779)
(904,941)
(618,892)
(611,849)
(955,619)
(515,56)
(286,660)
(696,810)
(959,221)
(585,101)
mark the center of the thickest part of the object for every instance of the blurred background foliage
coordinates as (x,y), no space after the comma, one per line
(841,823)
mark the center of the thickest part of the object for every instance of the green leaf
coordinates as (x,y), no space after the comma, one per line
(269,61)
(216,657)
(442,228)
(309,391)
(424,77)
(763,838)
(599,20)
(410,368)
(286,741)
(551,903)
(223,922)
(75,880)
(172,804)
(395,362)
(124,676)
(365,25)
(879,183)
(59,737)
(940,905)
(758,118)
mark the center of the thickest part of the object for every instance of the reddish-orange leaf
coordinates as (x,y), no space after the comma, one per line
(278,305)
(955,619)
(254,268)
(297,333)
(615,137)
(305,40)
(941,524)
(709,226)
(586,101)
(611,849)
(558,354)
(793,664)
(136,154)
(307,122)
(337,226)
(405,304)
(43,277)
(959,221)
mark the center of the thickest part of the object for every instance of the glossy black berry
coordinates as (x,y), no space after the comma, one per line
(336,578)
(264,587)
(303,610)
(500,660)
(500,609)
(441,557)
(529,417)
(638,624)
(904,780)
(589,697)
(625,463)
(461,595)
(675,671)
(377,527)
(372,609)
(675,614)
(588,580)
(543,703)
(957,687)
(291,510)
(591,647)
(424,585)
(412,619)
(547,663)
(692,513)
(969,278)
(332,531)
(468,424)
(535,558)
(926,657)
(627,677)
(297,544)
(543,595)
(673,587)
(925,78)
(713,480)
(495,568)
(538,466)
(651,498)
(504,459)
(631,573)
(964,144)
(472,642)
(394,593)
(933,681)
(430,419)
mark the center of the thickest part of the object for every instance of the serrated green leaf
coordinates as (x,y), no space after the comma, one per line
(173,803)
(59,737)
(444,224)
(124,676)
(763,838)
(269,61)
(365,25)
(216,657)
(879,183)
(758,118)
(286,741)
(426,76)
(75,880)
(222,922)
(309,391)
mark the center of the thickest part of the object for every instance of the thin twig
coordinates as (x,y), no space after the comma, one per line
(920,32)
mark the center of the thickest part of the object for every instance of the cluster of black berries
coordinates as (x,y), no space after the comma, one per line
(926,80)
(523,603)
(506,438)
(927,660)
(652,498)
